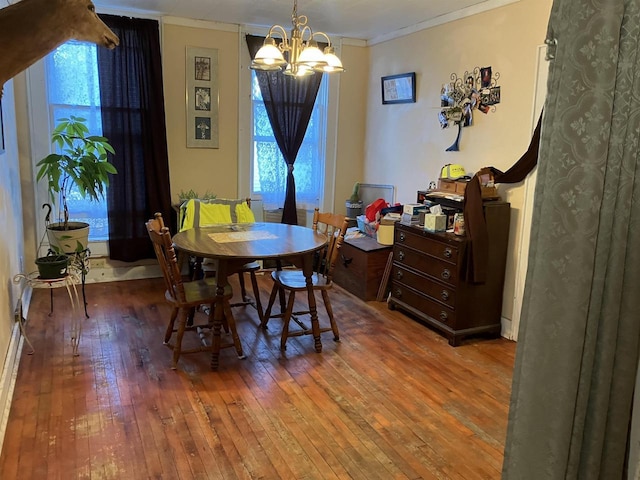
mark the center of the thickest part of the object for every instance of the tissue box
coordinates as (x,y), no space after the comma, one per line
(414,208)
(435,222)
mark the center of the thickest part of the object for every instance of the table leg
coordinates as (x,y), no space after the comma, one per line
(218,314)
(307,269)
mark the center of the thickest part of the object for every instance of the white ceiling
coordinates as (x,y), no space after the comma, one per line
(358,19)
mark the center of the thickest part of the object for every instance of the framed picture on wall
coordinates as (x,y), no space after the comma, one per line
(399,88)
(202,97)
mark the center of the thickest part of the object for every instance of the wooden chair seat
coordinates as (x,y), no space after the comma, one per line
(185,297)
(335,227)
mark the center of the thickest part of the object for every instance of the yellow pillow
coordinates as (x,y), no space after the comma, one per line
(212,213)
(244,213)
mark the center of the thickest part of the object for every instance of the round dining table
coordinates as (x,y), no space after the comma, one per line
(234,245)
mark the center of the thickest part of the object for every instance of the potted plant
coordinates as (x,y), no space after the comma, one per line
(354,204)
(82,162)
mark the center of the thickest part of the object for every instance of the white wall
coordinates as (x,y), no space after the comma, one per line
(11,246)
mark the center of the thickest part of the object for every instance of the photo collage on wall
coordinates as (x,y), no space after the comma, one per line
(202,97)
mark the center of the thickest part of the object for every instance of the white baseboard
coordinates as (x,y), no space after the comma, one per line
(8,379)
(11,364)
(506,330)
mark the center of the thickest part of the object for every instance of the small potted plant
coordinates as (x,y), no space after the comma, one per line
(353,203)
(81,162)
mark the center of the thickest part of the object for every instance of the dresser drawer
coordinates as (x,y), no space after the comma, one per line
(436,311)
(434,268)
(440,250)
(442,293)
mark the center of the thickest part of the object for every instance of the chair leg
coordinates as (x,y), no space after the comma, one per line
(334,325)
(272,300)
(286,319)
(256,294)
(182,323)
(243,290)
(231,322)
(170,326)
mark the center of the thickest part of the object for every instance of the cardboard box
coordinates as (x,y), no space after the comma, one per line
(452,186)
(435,223)
(445,185)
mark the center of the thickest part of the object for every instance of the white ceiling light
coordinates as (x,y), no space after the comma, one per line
(304,56)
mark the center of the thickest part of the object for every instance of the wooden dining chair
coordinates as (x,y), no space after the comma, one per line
(185,297)
(201,213)
(292,281)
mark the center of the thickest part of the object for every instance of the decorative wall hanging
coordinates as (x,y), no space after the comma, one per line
(202,97)
(399,88)
(477,89)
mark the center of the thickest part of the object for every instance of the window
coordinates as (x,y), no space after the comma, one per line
(269,170)
(73,89)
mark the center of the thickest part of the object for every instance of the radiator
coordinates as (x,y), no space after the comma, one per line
(305,217)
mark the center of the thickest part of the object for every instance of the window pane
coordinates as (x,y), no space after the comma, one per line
(73,89)
(269,172)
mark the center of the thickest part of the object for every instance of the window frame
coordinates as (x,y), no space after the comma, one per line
(319,119)
(41,127)
(245,124)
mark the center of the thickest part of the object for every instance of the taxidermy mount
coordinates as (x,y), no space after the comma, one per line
(30,29)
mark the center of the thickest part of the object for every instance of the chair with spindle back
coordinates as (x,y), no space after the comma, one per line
(335,227)
(185,297)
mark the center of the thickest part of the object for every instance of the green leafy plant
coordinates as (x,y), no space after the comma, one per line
(355,195)
(82,162)
(188,195)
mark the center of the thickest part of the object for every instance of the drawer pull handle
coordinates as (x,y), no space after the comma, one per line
(346,261)
(443,316)
(446,274)
(398,293)
(401,255)
(399,274)
(402,236)
(444,295)
(448,253)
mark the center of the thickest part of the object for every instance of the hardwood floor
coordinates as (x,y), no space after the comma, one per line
(391,400)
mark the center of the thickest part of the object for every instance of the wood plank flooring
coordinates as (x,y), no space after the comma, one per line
(392,400)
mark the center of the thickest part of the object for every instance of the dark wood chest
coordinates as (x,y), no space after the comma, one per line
(360,266)
(428,277)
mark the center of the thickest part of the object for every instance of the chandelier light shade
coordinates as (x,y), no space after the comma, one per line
(303,57)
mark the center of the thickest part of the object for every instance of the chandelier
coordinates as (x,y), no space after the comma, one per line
(303,55)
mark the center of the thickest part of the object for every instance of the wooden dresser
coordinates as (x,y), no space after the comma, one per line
(428,277)
(360,266)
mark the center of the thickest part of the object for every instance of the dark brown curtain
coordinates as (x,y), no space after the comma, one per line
(476,260)
(132,103)
(289,103)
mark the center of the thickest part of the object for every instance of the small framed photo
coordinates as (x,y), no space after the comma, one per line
(399,88)
(485,77)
